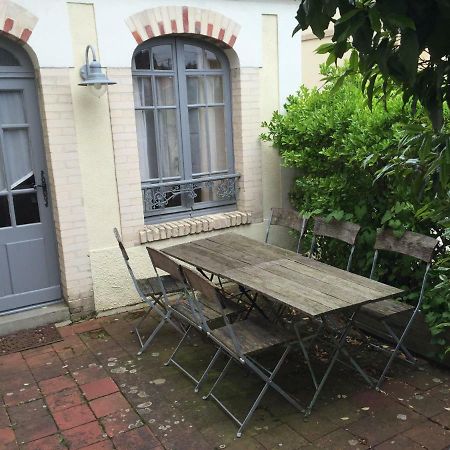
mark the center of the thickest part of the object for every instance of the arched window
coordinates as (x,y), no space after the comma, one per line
(182,100)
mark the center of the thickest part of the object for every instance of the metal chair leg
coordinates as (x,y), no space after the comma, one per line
(205,373)
(396,350)
(151,337)
(268,382)
(305,355)
(178,346)
(403,348)
(142,319)
(340,344)
(219,379)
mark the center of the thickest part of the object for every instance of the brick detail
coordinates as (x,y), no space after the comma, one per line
(65,182)
(9,23)
(194,225)
(16,20)
(126,154)
(184,19)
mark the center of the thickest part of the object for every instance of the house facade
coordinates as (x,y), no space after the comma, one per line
(168,153)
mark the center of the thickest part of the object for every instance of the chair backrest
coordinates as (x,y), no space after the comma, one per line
(165,263)
(341,230)
(126,258)
(411,244)
(289,219)
(214,297)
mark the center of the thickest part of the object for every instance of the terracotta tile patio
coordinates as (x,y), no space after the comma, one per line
(91,391)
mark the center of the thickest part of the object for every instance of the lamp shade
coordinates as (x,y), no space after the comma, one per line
(91,73)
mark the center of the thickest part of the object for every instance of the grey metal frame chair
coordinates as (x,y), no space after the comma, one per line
(288,219)
(346,232)
(195,314)
(239,341)
(150,292)
(411,244)
(336,229)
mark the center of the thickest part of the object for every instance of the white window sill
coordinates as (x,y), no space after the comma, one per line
(194,225)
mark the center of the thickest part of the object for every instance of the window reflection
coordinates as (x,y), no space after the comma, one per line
(193,57)
(142,60)
(162,57)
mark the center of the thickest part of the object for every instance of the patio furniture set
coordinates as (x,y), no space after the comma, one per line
(220,286)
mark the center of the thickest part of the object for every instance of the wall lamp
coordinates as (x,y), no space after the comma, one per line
(93,76)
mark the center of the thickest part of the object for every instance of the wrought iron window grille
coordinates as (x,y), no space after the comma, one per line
(157,196)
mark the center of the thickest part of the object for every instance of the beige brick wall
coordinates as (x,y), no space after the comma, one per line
(247,146)
(126,156)
(66,190)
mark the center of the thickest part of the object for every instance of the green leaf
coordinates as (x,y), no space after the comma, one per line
(325,48)
(370,89)
(354,60)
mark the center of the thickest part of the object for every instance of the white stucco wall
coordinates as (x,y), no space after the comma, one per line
(52,42)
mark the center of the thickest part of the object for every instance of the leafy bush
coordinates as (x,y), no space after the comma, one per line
(349,168)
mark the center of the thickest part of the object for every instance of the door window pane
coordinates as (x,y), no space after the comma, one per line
(26,208)
(143,93)
(169,143)
(11,108)
(214,89)
(162,57)
(17,156)
(211,61)
(193,57)
(5,219)
(199,143)
(195,90)
(217,144)
(142,60)
(148,162)
(27,183)
(165,89)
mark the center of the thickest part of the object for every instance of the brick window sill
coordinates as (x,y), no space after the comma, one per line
(194,225)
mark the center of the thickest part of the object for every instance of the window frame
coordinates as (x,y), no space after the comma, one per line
(187,183)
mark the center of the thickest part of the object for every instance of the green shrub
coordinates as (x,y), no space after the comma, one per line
(345,154)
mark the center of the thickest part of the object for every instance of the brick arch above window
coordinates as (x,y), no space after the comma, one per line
(183,19)
(16,21)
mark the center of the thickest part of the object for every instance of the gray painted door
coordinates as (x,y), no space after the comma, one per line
(29,273)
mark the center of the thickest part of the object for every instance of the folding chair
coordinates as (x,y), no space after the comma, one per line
(239,342)
(411,244)
(197,314)
(149,290)
(288,219)
(347,233)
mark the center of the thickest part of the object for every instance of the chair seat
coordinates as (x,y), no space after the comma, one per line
(386,308)
(253,335)
(151,286)
(209,312)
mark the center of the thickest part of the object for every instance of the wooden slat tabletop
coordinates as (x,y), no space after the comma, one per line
(310,286)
